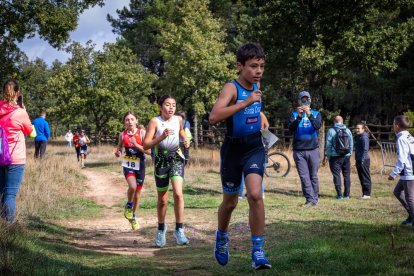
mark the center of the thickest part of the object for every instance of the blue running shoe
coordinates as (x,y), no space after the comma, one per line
(221,250)
(407,221)
(259,260)
(180,237)
(160,240)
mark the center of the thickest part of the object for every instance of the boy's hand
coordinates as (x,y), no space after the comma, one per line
(390,177)
(255,96)
(117,153)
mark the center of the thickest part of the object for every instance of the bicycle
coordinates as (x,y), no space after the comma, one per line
(277,164)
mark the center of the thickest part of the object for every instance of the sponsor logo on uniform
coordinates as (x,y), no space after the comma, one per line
(230,184)
(254,166)
(244,94)
(252,120)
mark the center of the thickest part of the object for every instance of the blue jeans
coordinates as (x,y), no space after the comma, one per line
(10,179)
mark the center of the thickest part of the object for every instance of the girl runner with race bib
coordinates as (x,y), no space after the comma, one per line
(133,164)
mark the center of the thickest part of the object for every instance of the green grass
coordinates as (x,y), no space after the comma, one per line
(338,237)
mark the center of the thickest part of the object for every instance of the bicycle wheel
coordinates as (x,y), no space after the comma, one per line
(278,165)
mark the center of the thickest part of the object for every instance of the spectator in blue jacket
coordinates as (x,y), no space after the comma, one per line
(43,134)
(305,123)
(339,145)
(362,159)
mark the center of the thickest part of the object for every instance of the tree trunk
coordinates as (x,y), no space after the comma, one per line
(196,131)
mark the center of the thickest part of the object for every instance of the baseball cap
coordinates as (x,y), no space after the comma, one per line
(304,94)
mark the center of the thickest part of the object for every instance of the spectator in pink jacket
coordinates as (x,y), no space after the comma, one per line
(16,123)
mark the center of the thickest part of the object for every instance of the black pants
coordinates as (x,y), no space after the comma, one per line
(77,152)
(40,149)
(338,164)
(364,176)
(186,152)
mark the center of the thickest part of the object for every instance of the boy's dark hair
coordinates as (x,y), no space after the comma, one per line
(163,98)
(249,51)
(402,121)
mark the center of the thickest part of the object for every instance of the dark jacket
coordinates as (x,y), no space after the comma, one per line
(362,147)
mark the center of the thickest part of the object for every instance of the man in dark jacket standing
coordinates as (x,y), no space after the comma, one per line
(305,123)
(43,134)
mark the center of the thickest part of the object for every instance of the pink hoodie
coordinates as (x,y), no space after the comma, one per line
(16,123)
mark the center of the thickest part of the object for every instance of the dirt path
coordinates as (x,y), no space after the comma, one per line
(110,232)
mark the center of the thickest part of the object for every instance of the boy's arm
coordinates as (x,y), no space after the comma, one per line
(264,123)
(222,108)
(402,158)
(328,143)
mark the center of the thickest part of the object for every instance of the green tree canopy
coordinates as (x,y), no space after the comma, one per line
(52,20)
(100,86)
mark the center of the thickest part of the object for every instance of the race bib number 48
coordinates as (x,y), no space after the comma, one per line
(131,163)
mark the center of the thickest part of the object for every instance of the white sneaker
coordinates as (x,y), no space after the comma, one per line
(365,197)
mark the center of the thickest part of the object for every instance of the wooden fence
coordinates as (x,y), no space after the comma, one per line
(212,137)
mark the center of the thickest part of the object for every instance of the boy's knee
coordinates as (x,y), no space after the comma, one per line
(230,204)
(255,197)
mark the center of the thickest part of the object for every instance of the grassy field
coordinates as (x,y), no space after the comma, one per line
(338,237)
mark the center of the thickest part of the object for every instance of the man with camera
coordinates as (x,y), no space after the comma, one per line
(305,123)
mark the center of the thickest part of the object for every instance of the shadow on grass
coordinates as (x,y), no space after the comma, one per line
(295,193)
(295,247)
(99,164)
(191,190)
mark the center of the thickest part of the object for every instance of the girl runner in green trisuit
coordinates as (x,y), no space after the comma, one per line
(163,133)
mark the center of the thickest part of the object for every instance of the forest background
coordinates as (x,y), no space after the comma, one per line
(355,58)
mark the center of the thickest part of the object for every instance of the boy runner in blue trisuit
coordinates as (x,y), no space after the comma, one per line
(239,103)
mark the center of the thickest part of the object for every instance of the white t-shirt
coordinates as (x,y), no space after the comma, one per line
(69,136)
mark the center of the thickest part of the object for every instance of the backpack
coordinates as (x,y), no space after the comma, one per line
(342,142)
(5,156)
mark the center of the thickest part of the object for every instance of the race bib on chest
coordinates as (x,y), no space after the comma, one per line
(131,163)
